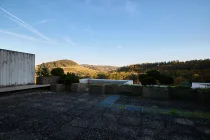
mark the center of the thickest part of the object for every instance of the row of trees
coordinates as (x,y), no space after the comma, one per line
(154,77)
(191,71)
(171,65)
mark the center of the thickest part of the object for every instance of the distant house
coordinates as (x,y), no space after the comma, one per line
(200,85)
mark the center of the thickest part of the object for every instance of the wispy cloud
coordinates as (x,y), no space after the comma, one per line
(24,24)
(69,41)
(42,21)
(18,35)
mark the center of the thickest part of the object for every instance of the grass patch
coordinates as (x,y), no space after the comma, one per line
(118,106)
(174,112)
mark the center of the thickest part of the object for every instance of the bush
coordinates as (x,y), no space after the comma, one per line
(166,80)
(142,76)
(102,76)
(69,78)
(43,71)
(148,81)
(57,72)
(154,73)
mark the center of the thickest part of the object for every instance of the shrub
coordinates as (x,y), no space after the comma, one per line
(148,81)
(57,72)
(166,80)
(154,73)
(142,76)
(69,78)
(43,71)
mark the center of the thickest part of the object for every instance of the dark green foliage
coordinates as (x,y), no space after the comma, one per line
(194,70)
(154,73)
(102,76)
(57,72)
(171,65)
(166,80)
(43,71)
(133,77)
(148,81)
(163,79)
(69,78)
(142,76)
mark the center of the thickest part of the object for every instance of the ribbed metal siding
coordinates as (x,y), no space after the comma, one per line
(16,68)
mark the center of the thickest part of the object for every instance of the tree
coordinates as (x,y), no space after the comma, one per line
(102,76)
(43,71)
(142,76)
(148,81)
(154,73)
(166,80)
(57,72)
(69,78)
(133,77)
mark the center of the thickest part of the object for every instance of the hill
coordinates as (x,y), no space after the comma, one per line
(171,65)
(101,68)
(59,63)
(194,70)
(82,70)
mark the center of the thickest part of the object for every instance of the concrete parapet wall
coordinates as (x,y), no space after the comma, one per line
(130,89)
(47,80)
(111,89)
(96,89)
(155,93)
(183,94)
(58,88)
(78,87)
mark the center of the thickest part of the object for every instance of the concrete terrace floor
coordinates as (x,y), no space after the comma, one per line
(69,116)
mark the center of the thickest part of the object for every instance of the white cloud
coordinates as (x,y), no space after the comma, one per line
(24,24)
(18,35)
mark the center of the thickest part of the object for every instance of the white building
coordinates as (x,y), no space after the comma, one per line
(200,85)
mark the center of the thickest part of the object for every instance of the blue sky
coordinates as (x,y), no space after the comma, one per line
(107,32)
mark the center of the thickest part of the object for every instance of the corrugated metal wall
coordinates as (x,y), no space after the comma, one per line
(16,68)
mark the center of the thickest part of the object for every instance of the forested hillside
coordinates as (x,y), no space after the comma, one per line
(100,68)
(194,70)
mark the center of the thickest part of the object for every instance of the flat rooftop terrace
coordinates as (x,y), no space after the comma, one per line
(47,115)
